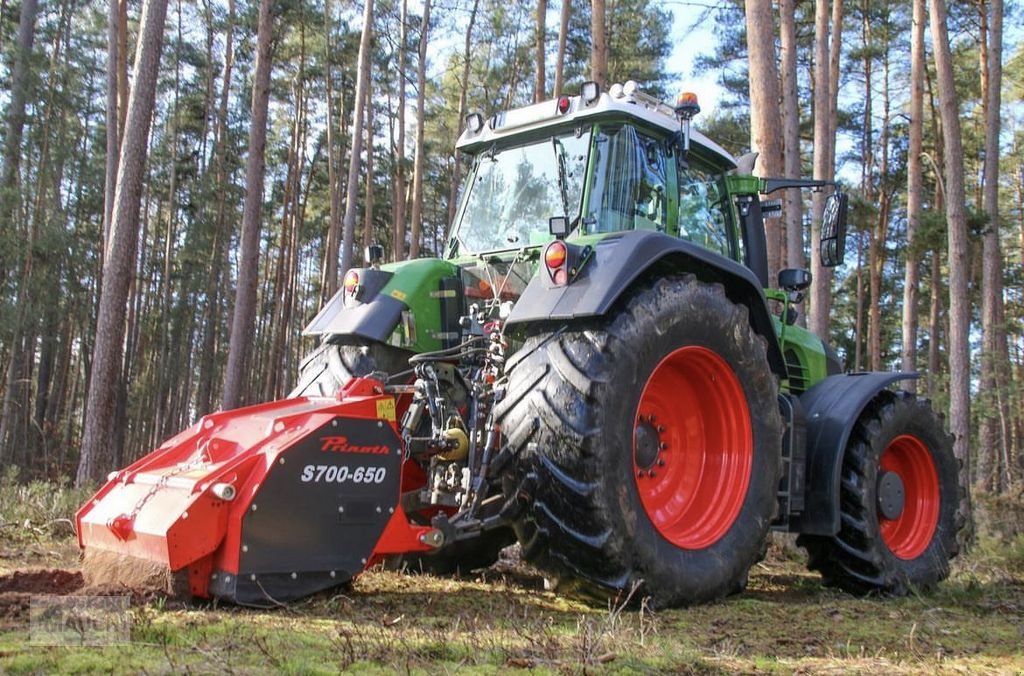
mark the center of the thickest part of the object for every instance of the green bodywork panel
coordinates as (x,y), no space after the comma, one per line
(805,356)
(416,283)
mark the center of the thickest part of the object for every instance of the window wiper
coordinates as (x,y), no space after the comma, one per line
(563,191)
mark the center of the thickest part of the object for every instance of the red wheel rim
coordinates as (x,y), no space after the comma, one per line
(908,535)
(692,460)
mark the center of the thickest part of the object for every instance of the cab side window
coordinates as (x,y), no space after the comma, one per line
(629,182)
(702,217)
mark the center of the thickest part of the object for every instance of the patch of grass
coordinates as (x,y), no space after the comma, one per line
(38,511)
(388,622)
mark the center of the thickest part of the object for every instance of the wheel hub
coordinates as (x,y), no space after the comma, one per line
(646,443)
(891,495)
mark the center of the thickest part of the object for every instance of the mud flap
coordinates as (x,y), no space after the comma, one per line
(315,519)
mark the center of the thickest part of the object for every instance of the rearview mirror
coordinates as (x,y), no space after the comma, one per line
(833,230)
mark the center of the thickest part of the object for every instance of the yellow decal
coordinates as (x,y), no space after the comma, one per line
(400,295)
(386,409)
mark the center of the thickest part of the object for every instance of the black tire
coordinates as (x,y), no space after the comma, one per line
(875,554)
(325,370)
(571,419)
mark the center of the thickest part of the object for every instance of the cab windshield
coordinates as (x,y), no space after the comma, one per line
(514,192)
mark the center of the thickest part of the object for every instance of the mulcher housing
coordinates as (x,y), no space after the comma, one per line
(602,317)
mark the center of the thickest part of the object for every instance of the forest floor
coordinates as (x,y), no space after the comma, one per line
(502,619)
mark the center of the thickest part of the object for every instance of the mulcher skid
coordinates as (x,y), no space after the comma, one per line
(267,503)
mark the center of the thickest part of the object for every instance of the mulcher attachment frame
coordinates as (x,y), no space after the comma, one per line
(264,504)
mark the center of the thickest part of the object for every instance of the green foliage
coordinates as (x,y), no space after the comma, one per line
(37,510)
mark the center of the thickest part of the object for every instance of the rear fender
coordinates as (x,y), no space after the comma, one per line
(620,259)
(833,407)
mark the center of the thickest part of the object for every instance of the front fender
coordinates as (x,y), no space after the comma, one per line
(618,260)
(833,407)
(413,304)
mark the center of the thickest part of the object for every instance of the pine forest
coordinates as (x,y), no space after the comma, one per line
(184,183)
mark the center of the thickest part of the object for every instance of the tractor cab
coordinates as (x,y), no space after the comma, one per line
(605,162)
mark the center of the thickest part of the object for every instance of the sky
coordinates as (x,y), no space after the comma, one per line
(691,41)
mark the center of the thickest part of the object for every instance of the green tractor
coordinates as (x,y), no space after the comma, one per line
(595,365)
(599,367)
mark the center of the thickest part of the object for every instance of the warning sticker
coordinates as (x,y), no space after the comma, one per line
(386,409)
(399,295)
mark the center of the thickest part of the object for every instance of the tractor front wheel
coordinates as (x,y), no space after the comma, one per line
(646,446)
(325,370)
(898,502)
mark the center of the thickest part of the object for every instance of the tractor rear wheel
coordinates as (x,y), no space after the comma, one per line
(898,502)
(325,370)
(646,446)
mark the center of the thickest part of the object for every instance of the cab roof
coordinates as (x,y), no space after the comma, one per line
(619,102)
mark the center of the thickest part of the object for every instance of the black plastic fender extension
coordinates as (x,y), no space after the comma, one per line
(833,407)
(620,259)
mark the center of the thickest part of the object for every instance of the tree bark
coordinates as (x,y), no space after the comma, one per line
(352,187)
(824,138)
(793,211)
(332,244)
(463,89)
(368,234)
(956,223)
(113,119)
(211,310)
(244,315)
(540,85)
(563,34)
(881,226)
(915,174)
(400,197)
(417,171)
(995,360)
(598,44)
(765,120)
(95,457)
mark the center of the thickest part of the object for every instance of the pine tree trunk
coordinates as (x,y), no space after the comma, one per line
(417,172)
(212,308)
(956,222)
(563,33)
(244,315)
(463,89)
(995,361)
(398,243)
(113,119)
(793,212)
(100,420)
(540,85)
(352,187)
(880,229)
(826,96)
(765,120)
(915,173)
(368,234)
(599,44)
(332,245)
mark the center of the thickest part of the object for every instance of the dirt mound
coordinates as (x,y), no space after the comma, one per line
(53,581)
(18,588)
